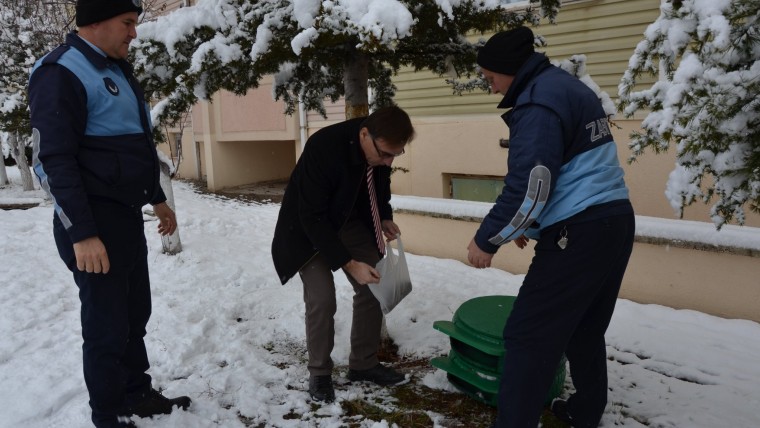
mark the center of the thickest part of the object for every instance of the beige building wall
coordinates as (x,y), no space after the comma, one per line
(234,140)
(460,134)
(682,275)
(448,145)
(246,139)
(166,6)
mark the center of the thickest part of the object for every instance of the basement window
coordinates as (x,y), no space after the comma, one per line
(475,187)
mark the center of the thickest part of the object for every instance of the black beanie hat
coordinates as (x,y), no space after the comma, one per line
(507,51)
(91,11)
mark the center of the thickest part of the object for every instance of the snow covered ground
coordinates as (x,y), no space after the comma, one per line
(226,333)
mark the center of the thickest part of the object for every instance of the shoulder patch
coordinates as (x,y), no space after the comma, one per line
(111,86)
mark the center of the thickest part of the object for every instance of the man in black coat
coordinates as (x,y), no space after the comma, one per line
(334,214)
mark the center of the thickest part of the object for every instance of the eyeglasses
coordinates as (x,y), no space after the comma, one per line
(383,154)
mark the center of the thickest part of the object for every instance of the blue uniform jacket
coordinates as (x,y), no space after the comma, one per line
(562,157)
(92,134)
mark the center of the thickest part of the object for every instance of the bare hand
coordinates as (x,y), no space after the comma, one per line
(91,256)
(390,230)
(167,220)
(521,242)
(477,257)
(362,272)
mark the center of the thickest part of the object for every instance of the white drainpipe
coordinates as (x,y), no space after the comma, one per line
(304,123)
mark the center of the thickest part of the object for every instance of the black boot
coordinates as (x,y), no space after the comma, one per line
(113,422)
(559,409)
(153,403)
(321,388)
(379,374)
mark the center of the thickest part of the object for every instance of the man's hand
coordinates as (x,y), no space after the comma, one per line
(521,242)
(91,256)
(167,220)
(362,272)
(390,229)
(477,257)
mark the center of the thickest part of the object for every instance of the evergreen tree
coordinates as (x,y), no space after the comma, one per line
(315,49)
(27,30)
(707,102)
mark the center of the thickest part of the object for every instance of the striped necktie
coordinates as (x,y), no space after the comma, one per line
(375,211)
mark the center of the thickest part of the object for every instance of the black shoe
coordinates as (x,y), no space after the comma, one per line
(153,403)
(114,422)
(321,388)
(126,423)
(559,409)
(379,374)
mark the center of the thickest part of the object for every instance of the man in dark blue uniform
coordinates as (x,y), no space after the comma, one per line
(564,187)
(94,154)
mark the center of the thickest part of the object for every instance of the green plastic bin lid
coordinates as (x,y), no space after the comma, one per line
(479,322)
(484,388)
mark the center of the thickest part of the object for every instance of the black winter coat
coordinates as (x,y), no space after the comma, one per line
(327,184)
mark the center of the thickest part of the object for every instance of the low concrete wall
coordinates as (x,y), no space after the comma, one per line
(718,280)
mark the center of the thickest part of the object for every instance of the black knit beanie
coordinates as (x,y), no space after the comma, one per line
(507,51)
(91,11)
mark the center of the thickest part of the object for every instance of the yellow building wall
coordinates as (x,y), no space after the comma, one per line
(606,31)
(460,134)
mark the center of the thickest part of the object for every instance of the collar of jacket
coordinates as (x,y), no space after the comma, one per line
(357,155)
(535,64)
(97,59)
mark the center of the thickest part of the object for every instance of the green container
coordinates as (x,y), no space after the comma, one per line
(476,359)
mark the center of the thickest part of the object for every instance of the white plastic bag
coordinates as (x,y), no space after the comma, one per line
(394,283)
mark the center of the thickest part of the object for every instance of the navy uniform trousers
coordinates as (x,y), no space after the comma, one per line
(564,306)
(115,310)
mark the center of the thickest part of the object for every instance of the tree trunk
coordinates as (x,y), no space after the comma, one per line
(171,243)
(19,155)
(3,173)
(355,82)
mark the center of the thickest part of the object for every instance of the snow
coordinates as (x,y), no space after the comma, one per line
(652,227)
(226,333)
(383,20)
(707,58)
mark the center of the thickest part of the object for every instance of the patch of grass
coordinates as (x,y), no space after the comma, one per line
(249,422)
(401,417)
(413,401)
(458,409)
(410,405)
(549,421)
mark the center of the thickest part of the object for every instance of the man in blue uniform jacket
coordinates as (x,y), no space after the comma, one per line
(564,187)
(94,154)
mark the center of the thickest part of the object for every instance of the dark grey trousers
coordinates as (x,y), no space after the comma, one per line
(319,297)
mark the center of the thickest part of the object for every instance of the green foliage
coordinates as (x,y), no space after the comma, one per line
(309,60)
(706,102)
(27,30)
(30,29)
